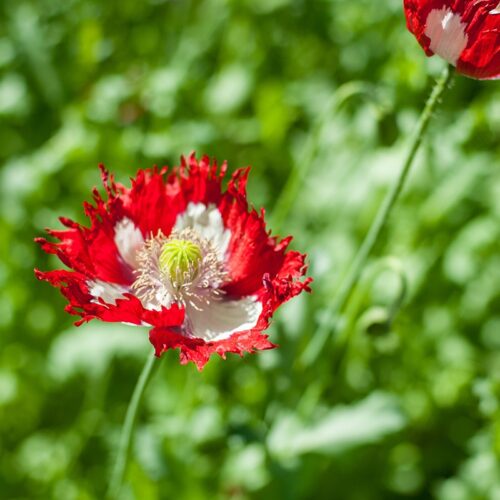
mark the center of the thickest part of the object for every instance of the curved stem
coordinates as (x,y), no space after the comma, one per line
(344,339)
(314,348)
(301,167)
(128,428)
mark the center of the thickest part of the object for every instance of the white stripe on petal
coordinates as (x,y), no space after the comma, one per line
(109,292)
(207,222)
(496,10)
(219,319)
(128,240)
(446,33)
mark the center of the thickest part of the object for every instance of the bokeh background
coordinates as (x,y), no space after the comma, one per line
(320,97)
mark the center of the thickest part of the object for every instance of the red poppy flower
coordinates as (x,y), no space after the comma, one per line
(176,253)
(466,33)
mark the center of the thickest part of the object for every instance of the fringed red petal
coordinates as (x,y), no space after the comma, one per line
(158,191)
(73,286)
(198,351)
(480,58)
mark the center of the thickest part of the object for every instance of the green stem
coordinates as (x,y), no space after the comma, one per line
(300,170)
(128,428)
(318,341)
(344,339)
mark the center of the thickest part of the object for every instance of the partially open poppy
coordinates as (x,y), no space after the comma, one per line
(176,253)
(466,33)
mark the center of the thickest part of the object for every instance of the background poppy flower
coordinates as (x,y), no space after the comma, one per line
(466,33)
(176,253)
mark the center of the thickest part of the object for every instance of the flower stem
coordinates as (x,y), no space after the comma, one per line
(128,428)
(301,167)
(315,346)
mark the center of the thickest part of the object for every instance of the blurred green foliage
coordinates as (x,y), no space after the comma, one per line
(402,402)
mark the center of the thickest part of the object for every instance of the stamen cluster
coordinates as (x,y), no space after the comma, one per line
(182,268)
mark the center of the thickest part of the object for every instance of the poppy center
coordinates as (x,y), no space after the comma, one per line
(182,268)
(180,260)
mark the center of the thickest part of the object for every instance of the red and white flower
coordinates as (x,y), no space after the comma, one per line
(176,253)
(466,33)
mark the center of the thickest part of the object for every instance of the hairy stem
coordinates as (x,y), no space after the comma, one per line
(319,339)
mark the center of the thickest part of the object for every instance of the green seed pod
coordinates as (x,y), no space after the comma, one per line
(180,260)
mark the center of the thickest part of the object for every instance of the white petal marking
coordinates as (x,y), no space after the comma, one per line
(219,319)
(128,240)
(446,33)
(109,292)
(208,223)
(496,10)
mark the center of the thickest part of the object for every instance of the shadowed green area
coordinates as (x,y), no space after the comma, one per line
(403,402)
